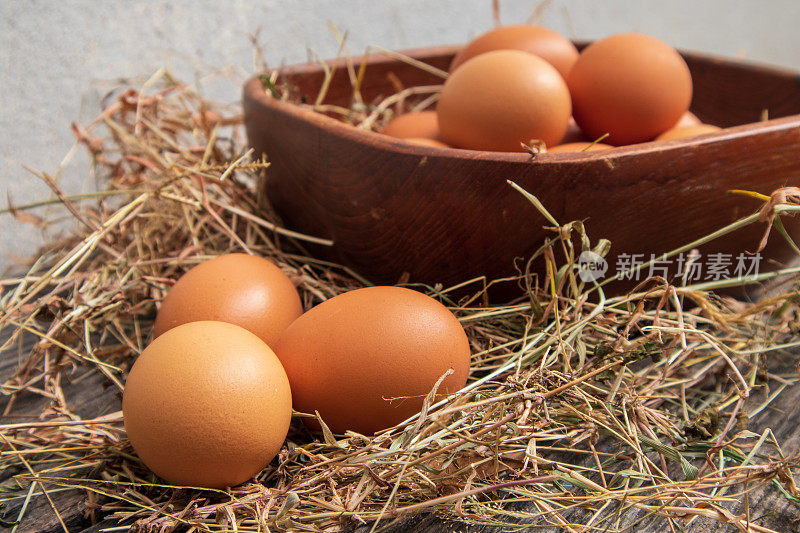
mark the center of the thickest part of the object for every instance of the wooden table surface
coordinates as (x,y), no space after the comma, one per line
(90,399)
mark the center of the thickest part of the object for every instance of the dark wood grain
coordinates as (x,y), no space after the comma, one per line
(447,215)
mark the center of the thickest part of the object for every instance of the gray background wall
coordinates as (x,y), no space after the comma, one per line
(59,57)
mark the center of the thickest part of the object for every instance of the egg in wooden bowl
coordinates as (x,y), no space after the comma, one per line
(442,215)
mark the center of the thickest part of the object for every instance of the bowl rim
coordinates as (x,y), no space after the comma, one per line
(254,90)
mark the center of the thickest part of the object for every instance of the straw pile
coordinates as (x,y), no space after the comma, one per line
(583,412)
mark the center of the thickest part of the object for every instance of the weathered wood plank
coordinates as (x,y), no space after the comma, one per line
(87,396)
(768,508)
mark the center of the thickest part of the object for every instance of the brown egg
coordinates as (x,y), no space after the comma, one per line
(631,86)
(242,289)
(578,147)
(207,404)
(687,131)
(501,99)
(426,142)
(543,42)
(687,119)
(423,125)
(366,359)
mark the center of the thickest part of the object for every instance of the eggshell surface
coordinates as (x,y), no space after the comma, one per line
(631,86)
(682,132)
(366,359)
(426,142)
(249,291)
(687,119)
(423,124)
(502,99)
(537,40)
(573,134)
(578,147)
(207,404)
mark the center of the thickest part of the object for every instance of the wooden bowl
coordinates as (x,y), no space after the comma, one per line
(440,215)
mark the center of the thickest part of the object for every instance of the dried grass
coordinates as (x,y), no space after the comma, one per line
(582,410)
